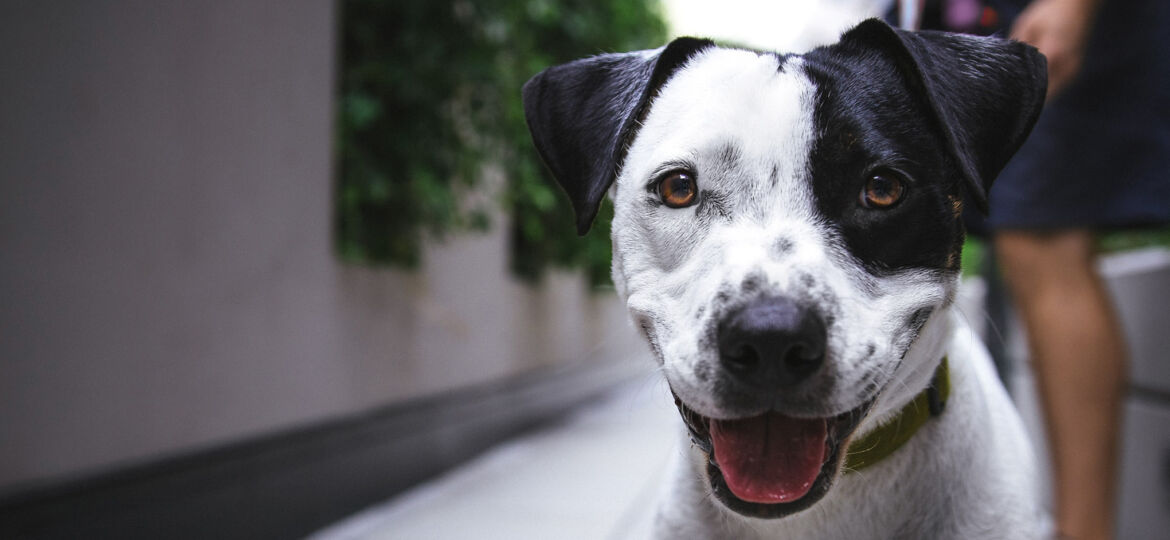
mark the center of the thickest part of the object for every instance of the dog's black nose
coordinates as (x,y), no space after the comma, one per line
(772,342)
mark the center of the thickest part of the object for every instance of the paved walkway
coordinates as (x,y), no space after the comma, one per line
(592,476)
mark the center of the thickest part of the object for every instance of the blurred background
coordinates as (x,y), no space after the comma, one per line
(265,264)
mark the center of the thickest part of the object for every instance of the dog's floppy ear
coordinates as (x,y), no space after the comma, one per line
(985,92)
(582,116)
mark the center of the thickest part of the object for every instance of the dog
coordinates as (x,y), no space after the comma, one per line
(786,236)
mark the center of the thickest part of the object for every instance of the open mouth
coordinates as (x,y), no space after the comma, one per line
(771,465)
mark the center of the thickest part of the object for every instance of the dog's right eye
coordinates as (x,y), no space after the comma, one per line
(882,190)
(678,189)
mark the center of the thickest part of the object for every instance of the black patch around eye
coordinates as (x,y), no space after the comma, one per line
(865,118)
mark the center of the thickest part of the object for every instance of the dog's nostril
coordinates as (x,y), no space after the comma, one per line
(772,341)
(803,359)
(742,357)
(806,351)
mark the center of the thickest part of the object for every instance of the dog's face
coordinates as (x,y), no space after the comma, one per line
(786,226)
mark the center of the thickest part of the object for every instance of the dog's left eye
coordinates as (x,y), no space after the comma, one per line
(882,190)
(678,189)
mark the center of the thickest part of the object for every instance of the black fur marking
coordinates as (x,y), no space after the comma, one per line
(984,93)
(709,336)
(782,246)
(887,99)
(822,298)
(703,371)
(752,283)
(874,123)
(723,296)
(865,117)
(782,61)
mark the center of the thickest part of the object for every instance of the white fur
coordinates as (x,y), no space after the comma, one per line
(966,474)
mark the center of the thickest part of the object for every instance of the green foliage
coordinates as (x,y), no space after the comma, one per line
(975,249)
(430,92)
(972,259)
(1133,239)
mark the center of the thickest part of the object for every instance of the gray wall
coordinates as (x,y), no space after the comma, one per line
(167,280)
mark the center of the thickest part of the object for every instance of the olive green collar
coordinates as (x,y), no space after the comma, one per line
(889,437)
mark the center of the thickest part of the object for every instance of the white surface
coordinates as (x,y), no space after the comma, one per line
(769,25)
(591,477)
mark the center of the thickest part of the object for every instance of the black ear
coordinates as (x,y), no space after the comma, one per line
(583,115)
(985,92)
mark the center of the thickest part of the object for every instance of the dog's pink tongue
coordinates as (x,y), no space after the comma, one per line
(770,458)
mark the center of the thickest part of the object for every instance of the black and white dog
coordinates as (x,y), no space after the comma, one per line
(787,237)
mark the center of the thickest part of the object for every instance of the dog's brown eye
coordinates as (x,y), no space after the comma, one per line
(882,190)
(678,189)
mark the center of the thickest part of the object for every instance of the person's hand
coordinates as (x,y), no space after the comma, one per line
(1060,30)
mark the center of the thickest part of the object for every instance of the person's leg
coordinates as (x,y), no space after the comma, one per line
(1078,354)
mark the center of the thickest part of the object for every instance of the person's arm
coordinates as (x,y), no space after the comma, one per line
(1060,30)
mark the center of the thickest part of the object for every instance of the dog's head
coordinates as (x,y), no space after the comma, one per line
(787,227)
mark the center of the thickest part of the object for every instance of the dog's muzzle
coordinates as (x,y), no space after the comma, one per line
(772,464)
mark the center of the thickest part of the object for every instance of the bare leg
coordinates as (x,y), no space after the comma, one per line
(1078,353)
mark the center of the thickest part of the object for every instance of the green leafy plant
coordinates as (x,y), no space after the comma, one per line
(430,94)
(1113,241)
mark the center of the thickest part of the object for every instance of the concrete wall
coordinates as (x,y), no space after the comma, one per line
(167,279)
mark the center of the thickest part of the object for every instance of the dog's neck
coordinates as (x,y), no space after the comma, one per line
(889,437)
(914,373)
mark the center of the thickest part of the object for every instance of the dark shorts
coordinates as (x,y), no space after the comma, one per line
(1099,157)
